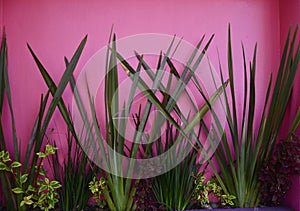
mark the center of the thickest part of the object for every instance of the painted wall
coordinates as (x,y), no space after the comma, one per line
(1,16)
(290,14)
(55,28)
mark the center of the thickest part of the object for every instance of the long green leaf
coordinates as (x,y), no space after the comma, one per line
(57,96)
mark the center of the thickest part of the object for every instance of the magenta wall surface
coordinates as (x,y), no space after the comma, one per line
(290,14)
(1,15)
(55,28)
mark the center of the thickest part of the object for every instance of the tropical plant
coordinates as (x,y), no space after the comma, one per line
(38,133)
(245,148)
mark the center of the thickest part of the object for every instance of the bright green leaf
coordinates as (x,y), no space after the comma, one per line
(42,188)
(15,164)
(3,166)
(41,155)
(23,178)
(17,190)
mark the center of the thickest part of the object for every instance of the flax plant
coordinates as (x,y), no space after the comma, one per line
(39,129)
(121,188)
(75,173)
(245,147)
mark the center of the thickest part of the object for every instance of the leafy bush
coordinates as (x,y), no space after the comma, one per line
(275,175)
(42,193)
(206,189)
(97,187)
(144,197)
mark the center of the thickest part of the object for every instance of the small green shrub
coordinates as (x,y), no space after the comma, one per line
(97,187)
(42,193)
(203,189)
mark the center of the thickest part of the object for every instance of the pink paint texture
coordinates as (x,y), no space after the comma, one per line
(290,14)
(55,28)
(1,16)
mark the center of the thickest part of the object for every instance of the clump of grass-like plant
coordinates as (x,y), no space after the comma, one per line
(245,147)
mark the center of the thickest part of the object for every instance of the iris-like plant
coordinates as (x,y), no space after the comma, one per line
(75,173)
(39,129)
(121,189)
(175,189)
(166,106)
(245,148)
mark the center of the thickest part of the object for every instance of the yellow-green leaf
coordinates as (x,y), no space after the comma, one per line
(17,190)
(23,178)
(15,164)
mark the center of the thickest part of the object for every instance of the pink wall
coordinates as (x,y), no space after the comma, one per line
(1,17)
(55,28)
(290,14)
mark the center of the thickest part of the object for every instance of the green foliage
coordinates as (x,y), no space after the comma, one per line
(97,187)
(4,162)
(75,173)
(121,190)
(237,182)
(6,183)
(39,130)
(174,189)
(203,189)
(227,200)
(47,195)
(44,196)
(43,193)
(245,147)
(50,150)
